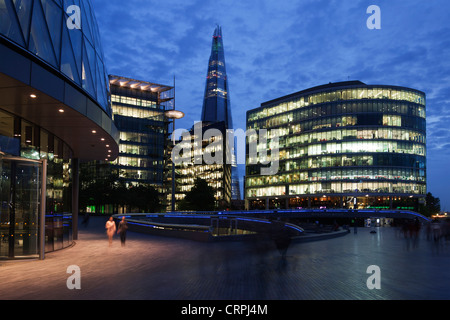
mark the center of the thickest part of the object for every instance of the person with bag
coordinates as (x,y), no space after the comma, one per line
(122,230)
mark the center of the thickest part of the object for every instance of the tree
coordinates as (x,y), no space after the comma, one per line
(144,198)
(200,198)
(432,205)
(98,191)
(100,186)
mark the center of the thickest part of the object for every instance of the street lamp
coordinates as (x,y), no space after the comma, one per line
(173,115)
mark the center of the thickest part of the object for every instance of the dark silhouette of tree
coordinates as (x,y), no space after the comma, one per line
(97,192)
(432,205)
(143,198)
(108,189)
(200,198)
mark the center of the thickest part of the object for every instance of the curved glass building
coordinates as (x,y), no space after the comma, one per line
(342,145)
(54,112)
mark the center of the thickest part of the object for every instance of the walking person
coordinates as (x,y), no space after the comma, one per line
(85,221)
(110,229)
(122,230)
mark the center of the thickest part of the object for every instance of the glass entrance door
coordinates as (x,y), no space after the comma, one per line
(20,181)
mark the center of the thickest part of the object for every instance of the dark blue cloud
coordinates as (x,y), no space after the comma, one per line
(274,48)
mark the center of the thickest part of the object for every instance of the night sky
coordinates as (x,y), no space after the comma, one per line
(274,48)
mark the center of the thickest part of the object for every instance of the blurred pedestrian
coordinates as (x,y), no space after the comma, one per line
(110,229)
(85,221)
(122,230)
(281,237)
(436,231)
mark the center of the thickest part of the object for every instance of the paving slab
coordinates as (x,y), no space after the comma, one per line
(160,268)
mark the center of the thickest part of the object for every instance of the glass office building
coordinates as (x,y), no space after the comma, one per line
(138,109)
(138,112)
(205,157)
(342,145)
(54,112)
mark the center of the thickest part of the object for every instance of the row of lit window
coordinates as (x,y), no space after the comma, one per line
(187,168)
(215,74)
(341,147)
(339,95)
(351,134)
(138,113)
(286,140)
(338,187)
(134,101)
(292,126)
(217,92)
(339,174)
(138,162)
(381,160)
(189,175)
(141,175)
(216,62)
(35,142)
(153,150)
(213,182)
(298,125)
(140,137)
(365,146)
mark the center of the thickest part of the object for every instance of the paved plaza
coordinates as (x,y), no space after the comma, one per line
(160,268)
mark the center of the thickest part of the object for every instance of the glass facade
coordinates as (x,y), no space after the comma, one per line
(217,174)
(346,145)
(41,28)
(22,147)
(138,112)
(216,103)
(54,110)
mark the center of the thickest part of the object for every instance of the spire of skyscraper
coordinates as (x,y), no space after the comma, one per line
(216,103)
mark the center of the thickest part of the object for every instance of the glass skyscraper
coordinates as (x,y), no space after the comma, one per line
(216,103)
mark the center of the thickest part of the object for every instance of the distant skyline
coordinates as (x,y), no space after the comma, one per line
(277,48)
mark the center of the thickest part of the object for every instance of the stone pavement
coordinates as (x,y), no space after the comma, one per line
(159,268)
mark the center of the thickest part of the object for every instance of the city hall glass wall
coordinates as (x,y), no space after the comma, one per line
(54,112)
(342,145)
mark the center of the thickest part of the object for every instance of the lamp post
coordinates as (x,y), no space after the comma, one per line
(173,115)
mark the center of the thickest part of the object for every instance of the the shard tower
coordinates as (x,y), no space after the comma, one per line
(216,103)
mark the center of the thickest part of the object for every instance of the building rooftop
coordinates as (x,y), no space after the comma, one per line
(138,84)
(331,85)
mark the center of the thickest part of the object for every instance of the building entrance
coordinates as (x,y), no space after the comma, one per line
(20,199)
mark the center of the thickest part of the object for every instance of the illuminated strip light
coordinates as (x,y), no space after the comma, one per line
(186,216)
(168,227)
(294,227)
(199,230)
(325,211)
(253,220)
